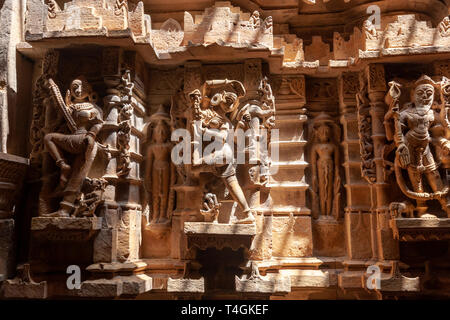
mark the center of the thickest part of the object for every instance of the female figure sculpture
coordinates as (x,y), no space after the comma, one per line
(84,119)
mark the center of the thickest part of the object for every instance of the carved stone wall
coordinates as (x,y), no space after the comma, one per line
(335,133)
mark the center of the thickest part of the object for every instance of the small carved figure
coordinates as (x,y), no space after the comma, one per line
(159,170)
(415,127)
(254,271)
(255,20)
(326,180)
(211,207)
(401,209)
(123,140)
(445,99)
(120,6)
(255,114)
(84,119)
(91,197)
(370,30)
(444,27)
(268,24)
(365,132)
(53,8)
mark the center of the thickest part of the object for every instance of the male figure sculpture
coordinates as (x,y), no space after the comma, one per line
(216,123)
(416,126)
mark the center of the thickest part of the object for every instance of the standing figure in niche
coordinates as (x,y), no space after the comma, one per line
(159,170)
(218,114)
(325,168)
(416,126)
(84,119)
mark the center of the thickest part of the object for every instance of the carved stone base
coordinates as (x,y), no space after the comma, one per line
(23,286)
(328,237)
(65,229)
(14,289)
(118,286)
(186,285)
(212,235)
(269,285)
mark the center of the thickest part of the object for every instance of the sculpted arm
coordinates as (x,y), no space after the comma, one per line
(438,135)
(336,161)
(314,168)
(148,169)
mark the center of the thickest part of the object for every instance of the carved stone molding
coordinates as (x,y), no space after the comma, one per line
(211,235)
(421,229)
(12,174)
(321,90)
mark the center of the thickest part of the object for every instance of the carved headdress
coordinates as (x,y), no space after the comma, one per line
(424,79)
(159,115)
(322,119)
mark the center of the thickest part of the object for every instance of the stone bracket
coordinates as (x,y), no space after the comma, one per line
(212,235)
(419,229)
(65,229)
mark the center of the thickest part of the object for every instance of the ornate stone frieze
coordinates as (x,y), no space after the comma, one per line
(124,123)
(85,16)
(368,169)
(230,25)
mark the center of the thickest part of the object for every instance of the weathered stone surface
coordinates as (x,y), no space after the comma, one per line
(219,229)
(186,285)
(309,278)
(101,288)
(92,91)
(292,236)
(13,289)
(135,285)
(42,223)
(7,247)
(278,284)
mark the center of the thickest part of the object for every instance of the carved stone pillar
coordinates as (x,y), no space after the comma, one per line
(287,183)
(359,199)
(386,247)
(130,158)
(12,174)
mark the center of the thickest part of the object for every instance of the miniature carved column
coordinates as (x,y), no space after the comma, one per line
(131,126)
(189,196)
(124,102)
(287,182)
(386,247)
(358,190)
